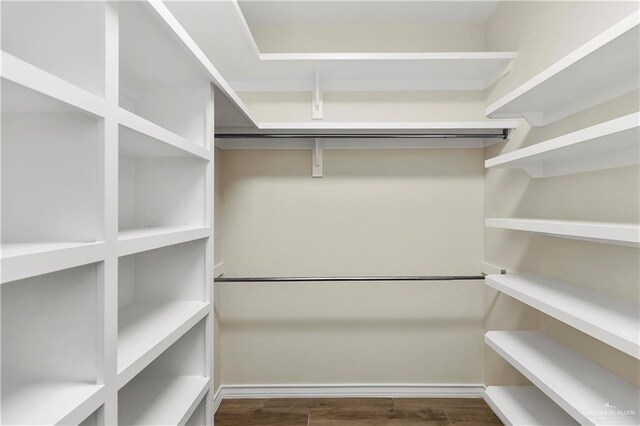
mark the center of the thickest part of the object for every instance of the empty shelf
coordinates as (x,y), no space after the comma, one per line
(145,330)
(24,260)
(606,145)
(50,403)
(624,234)
(161,401)
(613,322)
(525,405)
(588,392)
(602,69)
(142,239)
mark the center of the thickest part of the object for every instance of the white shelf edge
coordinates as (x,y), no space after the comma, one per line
(620,124)
(141,125)
(131,370)
(192,408)
(387,56)
(525,405)
(31,264)
(86,408)
(582,380)
(591,46)
(607,332)
(622,234)
(31,77)
(199,55)
(139,240)
(399,125)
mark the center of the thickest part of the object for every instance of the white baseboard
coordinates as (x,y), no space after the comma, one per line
(218,270)
(217,399)
(454,390)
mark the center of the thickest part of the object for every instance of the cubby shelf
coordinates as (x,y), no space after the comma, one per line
(525,405)
(600,70)
(137,240)
(164,401)
(148,329)
(581,387)
(606,145)
(613,322)
(24,260)
(624,234)
(51,403)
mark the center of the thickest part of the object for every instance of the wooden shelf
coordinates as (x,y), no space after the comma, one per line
(24,260)
(581,387)
(50,403)
(161,400)
(613,322)
(606,145)
(602,69)
(145,330)
(525,405)
(623,234)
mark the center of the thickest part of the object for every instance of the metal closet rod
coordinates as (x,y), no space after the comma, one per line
(223,279)
(503,135)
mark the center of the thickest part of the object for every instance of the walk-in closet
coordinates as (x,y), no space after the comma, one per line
(320,212)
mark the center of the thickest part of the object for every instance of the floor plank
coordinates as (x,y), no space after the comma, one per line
(356,412)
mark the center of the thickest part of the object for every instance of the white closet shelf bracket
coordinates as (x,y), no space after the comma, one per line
(316,103)
(316,169)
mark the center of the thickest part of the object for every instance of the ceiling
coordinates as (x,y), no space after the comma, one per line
(283,12)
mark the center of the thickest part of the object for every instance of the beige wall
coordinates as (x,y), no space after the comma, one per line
(375,212)
(542,33)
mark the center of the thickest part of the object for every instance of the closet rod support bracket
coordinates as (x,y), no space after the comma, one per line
(316,159)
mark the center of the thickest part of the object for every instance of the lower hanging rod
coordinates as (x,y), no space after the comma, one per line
(223,279)
(503,135)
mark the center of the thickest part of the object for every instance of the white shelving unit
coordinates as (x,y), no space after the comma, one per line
(613,322)
(611,144)
(107,133)
(586,391)
(602,69)
(525,405)
(624,234)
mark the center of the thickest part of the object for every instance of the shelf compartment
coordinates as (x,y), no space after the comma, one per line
(65,39)
(623,234)
(48,195)
(143,239)
(161,296)
(170,389)
(606,145)
(160,80)
(24,260)
(51,403)
(602,69)
(49,347)
(160,186)
(613,322)
(579,386)
(525,405)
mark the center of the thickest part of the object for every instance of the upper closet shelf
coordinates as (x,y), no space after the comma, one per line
(613,322)
(600,70)
(588,392)
(220,28)
(624,234)
(606,145)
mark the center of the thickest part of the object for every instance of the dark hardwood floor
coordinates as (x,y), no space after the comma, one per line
(355,412)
